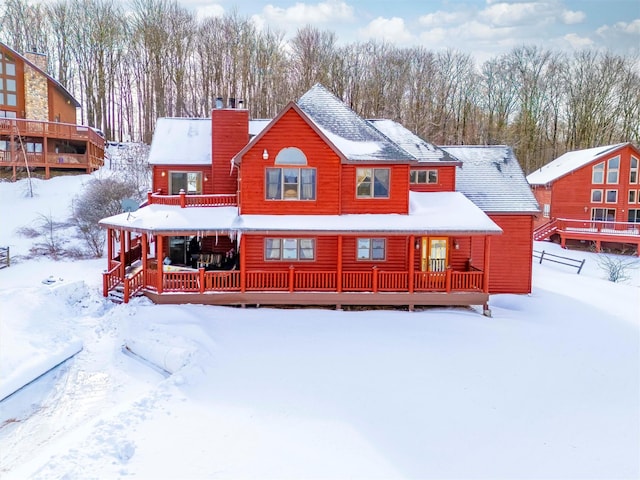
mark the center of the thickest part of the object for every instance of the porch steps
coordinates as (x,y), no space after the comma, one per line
(116,295)
(545,231)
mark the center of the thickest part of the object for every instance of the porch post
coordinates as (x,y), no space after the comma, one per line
(487,261)
(123,256)
(160,257)
(109,247)
(145,252)
(412,261)
(339,266)
(243,265)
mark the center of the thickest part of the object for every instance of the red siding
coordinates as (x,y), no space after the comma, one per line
(543,196)
(571,194)
(230,133)
(446,180)
(510,254)
(290,131)
(161,183)
(326,248)
(396,251)
(398,201)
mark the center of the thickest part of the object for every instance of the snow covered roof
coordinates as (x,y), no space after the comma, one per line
(567,163)
(429,212)
(257,125)
(422,151)
(178,141)
(352,135)
(491,177)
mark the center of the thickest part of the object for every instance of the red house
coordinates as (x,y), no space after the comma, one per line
(316,207)
(591,196)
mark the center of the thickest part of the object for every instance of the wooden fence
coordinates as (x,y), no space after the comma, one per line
(550,257)
(5,257)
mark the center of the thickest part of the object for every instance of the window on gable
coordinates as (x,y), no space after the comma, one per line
(632,196)
(597,175)
(290,183)
(612,196)
(596,196)
(613,166)
(372,182)
(289,249)
(371,249)
(291,156)
(633,171)
(190,182)
(423,176)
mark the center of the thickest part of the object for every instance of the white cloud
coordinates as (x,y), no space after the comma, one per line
(390,29)
(508,14)
(303,13)
(569,17)
(212,10)
(440,18)
(577,41)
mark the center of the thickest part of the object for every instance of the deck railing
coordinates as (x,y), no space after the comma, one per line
(599,227)
(37,128)
(183,200)
(293,280)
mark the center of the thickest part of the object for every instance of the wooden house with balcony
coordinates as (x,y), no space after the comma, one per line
(38,128)
(315,207)
(591,197)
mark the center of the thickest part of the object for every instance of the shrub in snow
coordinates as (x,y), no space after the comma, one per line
(101,198)
(617,268)
(50,235)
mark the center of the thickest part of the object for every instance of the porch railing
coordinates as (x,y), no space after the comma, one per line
(183,200)
(599,227)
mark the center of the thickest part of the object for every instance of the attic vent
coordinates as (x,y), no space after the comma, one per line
(291,156)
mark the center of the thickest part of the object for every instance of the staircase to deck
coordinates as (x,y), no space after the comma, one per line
(545,231)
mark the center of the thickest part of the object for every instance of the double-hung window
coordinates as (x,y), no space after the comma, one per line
(290,183)
(289,249)
(371,249)
(372,182)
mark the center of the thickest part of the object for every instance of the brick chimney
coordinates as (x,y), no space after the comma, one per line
(229,135)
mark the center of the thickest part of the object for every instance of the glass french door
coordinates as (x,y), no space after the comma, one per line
(433,254)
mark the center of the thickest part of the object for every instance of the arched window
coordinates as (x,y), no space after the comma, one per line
(291,156)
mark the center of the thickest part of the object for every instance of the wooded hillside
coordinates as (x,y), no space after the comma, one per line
(158,59)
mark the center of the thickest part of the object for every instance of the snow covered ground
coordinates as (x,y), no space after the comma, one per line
(549,387)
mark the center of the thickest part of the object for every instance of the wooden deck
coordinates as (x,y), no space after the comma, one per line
(50,134)
(300,287)
(594,231)
(338,300)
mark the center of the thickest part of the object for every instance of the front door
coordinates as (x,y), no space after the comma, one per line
(433,254)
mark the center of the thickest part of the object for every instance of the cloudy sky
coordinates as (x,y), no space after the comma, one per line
(481,27)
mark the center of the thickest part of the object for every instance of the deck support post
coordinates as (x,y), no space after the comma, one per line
(145,254)
(375,279)
(201,279)
(243,265)
(109,247)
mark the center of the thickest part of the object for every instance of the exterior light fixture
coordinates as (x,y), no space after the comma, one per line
(265,155)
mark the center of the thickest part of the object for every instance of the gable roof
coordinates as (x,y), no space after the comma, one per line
(491,177)
(55,82)
(353,136)
(421,150)
(568,163)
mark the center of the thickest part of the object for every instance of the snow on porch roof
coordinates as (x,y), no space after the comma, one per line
(429,212)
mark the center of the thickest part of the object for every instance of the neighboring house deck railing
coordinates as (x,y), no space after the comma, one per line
(183,200)
(294,280)
(598,227)
(63,131)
